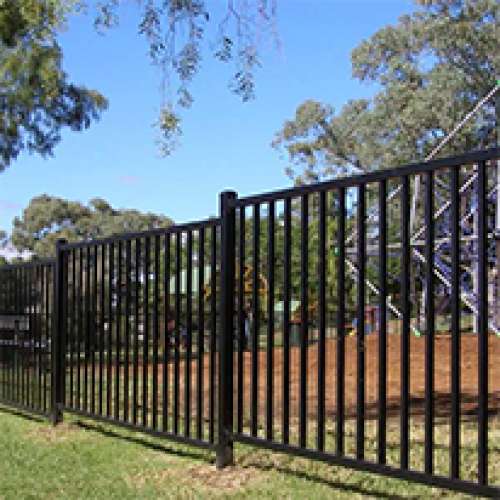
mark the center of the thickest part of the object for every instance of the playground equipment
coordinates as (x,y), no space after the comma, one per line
(247,283)
(468,223)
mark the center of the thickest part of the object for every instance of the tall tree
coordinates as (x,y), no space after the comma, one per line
(48,218)
(37,99)
(432,67)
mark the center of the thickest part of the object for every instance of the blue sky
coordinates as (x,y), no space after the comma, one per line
(226,143)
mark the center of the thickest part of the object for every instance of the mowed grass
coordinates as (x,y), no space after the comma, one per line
(85,459)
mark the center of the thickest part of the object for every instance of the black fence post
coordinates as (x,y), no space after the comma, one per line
(58,334)
(225,416)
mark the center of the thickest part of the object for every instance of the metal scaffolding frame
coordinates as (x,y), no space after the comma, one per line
(442,266)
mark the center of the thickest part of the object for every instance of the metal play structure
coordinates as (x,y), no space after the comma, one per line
(468,228)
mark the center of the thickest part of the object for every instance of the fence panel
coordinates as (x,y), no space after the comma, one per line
(141,331)
(26,316)
(367,315)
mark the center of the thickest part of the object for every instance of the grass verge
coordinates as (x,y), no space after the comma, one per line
(85,459)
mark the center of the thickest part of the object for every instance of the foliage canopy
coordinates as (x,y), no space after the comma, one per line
(432,67)
(38,100)
(48,218)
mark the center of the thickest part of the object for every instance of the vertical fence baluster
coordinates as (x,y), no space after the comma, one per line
(35,340)
(145,334)
(304,318)
(47,387)
(15,348)
(39,333)
(166,339)
(270,320)
(178,275)
(8,275)
(135,384)
(5,289)
(382,340)
(93,328)
(201,332)
(18,371)
(79,330)
(12,374)
(287,262)
(17,367)
(128,291)
(255,306)
(340,321)
(360,404)
(6,350)
(6,283)
(21,335)
(102,310)
(109,368)
(27,337)
(32,364)
(213,326)
(118,327)
(482,248)
(429,323)
(320,443)
(242,320)
(405,310)
(73,329)
(33,337)
(188,338)
(155,329)
(9,347)
(5,306)
(87,317)
(455,324)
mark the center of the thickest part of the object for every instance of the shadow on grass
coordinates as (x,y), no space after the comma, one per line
(24,414)
(143,441)
(334,484)
(209,458)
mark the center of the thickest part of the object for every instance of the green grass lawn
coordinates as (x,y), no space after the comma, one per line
(85,459)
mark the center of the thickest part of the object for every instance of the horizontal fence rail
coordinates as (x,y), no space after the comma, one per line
(354,321)
(26,316)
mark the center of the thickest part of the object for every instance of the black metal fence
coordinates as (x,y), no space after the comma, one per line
(350,321)
(139,329)
(26,315)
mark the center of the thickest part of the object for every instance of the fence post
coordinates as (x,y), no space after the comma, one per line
(225,411)
(58,334)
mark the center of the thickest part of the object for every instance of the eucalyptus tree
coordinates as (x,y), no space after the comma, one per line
(48,218)
(38,100)
(432,67)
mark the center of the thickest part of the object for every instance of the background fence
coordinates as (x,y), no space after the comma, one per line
(352,321)
(26,316)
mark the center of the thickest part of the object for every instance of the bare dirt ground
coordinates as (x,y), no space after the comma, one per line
(442,377)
